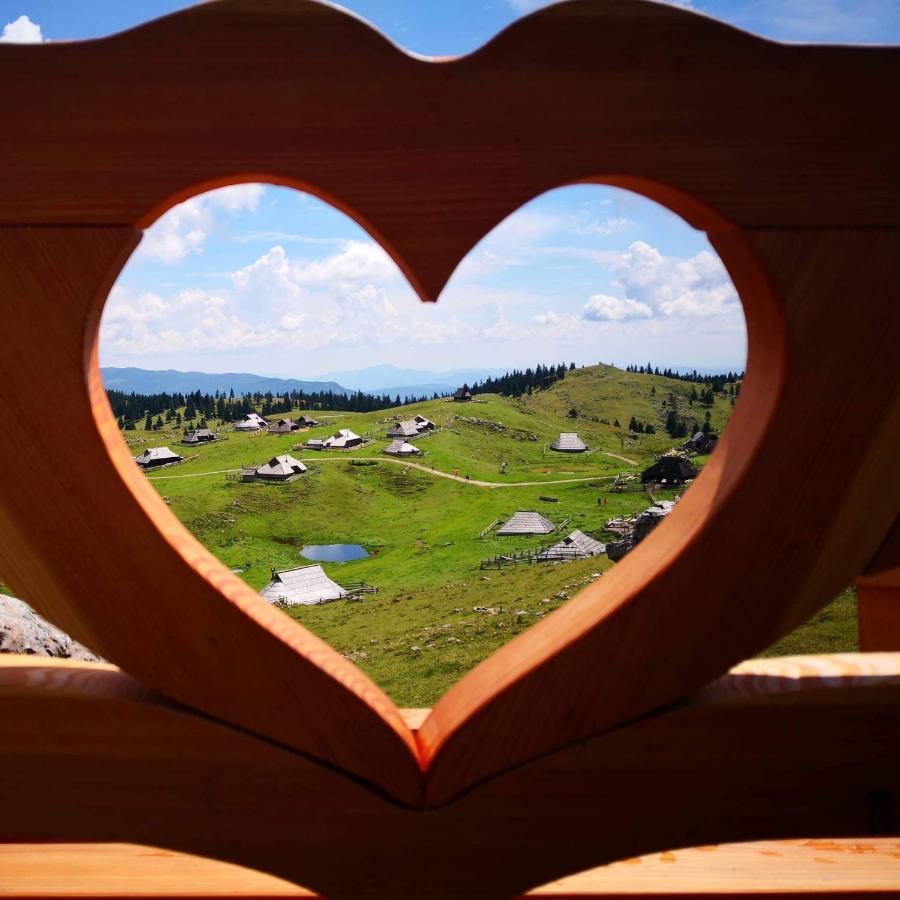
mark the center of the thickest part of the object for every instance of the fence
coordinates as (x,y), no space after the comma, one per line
(544,553)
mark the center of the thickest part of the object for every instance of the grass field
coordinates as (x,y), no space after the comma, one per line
(421,631)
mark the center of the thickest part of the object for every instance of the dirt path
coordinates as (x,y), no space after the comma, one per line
(625,459)
(412,465)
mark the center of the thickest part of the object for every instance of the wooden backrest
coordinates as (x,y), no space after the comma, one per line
(784,155)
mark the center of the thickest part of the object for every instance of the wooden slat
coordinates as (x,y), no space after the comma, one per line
(88,755)
(842,868)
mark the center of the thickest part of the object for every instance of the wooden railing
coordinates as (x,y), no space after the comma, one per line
(617,725)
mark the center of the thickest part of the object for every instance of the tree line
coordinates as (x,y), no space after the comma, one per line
(129,408)
(518,382)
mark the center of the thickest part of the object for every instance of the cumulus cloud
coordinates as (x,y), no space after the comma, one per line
(604,308)
(183,230)
(22,31)
(648,284)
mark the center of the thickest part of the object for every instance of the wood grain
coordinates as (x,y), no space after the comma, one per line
(672,104)
(597,735)
(89,755)
(781,870)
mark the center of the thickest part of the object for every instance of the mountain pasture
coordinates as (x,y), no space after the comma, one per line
(437,613)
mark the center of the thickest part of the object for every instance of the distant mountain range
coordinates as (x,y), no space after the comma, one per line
(386,379)
(389,379)
(148,381)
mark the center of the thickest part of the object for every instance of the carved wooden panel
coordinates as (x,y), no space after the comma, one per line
(783,154)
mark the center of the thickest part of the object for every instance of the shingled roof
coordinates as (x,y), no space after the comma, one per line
(569,442)
(402,448)
(577,545)
(527,523)
(280,468)
(671,468)
(405,429)
(343,438)
(305,586)
(157,456)
(199,436)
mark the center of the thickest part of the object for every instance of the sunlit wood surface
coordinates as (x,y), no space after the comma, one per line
(840,868)
(608,730)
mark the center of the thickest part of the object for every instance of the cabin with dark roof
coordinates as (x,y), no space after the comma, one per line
(307,422)
(461,395)
(701,443)
(198,436)
(671,468)
(283,426)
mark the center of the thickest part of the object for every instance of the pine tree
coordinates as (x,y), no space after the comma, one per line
(148,423)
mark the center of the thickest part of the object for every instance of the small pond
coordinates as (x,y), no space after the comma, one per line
(334,552)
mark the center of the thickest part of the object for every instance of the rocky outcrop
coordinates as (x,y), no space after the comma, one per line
(22,630)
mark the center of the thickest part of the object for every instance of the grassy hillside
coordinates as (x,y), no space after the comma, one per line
(421,631)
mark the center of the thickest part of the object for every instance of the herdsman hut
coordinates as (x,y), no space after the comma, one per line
(342,440)
(281,468)
(305,586)
(251,422)
(401,448)
(577,545)
(154,457)
(283,426)
(198,436)
(461,395)
(407,429)
(671,468)
(568,442)
(701,443)
(307,422)
(526,523)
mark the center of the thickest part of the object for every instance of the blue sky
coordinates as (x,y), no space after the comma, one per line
(258,278)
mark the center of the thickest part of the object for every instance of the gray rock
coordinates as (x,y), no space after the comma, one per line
(22,630)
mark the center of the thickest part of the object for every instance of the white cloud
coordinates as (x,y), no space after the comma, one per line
(606,227)
(675,286)
(603,308)
(22,31)
(183,230)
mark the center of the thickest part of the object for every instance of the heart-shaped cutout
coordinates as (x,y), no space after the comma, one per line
(440,153)
(265,280)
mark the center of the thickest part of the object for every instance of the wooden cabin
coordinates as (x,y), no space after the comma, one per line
(304,586)
(284,426)
(196,436)
(401,448)
(251,422)
(342,440)
(281,468)
(568,442)
(670,469)
(462,394)
(526,523)
(154,457)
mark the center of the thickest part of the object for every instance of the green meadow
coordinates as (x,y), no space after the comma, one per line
(421,631)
